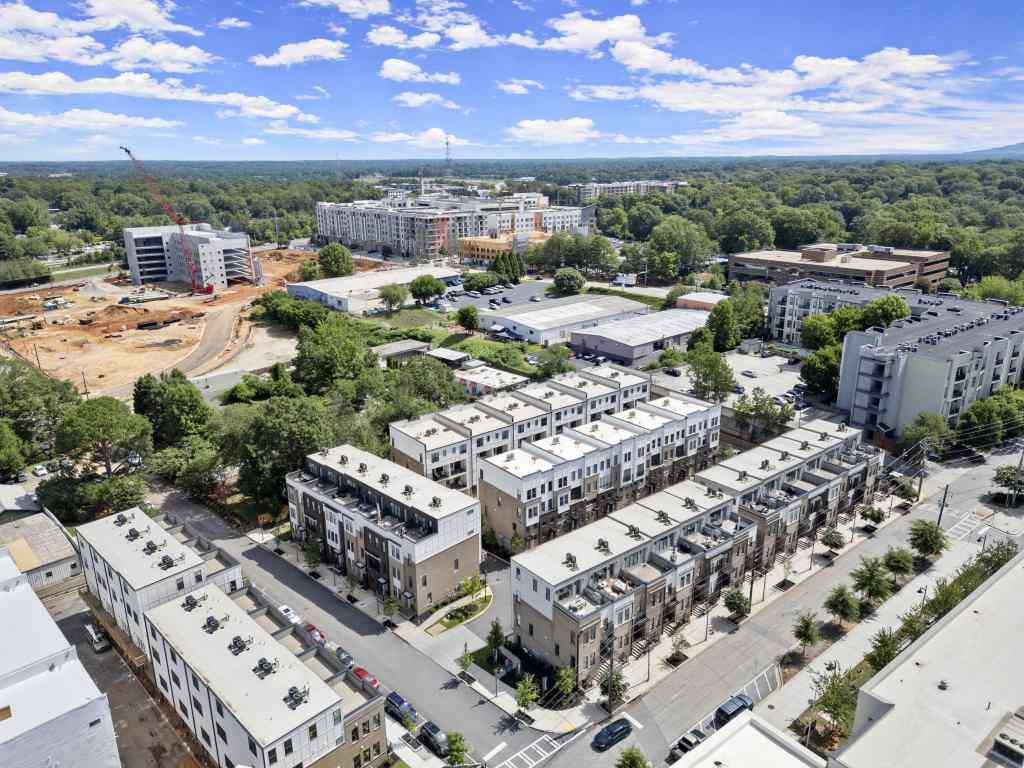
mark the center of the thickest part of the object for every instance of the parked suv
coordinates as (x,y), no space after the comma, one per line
(732,708)
(612,734)
(398,707)
(434,738)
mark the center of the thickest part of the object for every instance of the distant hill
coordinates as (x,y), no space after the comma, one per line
(1014,151)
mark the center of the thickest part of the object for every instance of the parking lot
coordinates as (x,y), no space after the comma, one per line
(517,294)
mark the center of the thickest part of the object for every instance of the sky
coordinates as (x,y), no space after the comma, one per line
(371,79)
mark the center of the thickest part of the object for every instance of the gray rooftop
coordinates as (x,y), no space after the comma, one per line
(555,313)
(649,328)
(403,346)
(35,541)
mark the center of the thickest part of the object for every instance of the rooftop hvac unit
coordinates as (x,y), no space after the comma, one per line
(384,479)
(150,547)
(407,491)
(765,464)
(239,644)
(166,562)
(190,603)
(211,625)
(133,534)
(435,502)
(603,546)
(662,517)
(343,459)
(362,468)
(296,697)
(120,520)
(570,561)
(634,532)
(264,667)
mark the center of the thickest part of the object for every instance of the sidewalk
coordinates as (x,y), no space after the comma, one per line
(788,702)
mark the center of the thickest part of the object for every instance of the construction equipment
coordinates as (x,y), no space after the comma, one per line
(181,221)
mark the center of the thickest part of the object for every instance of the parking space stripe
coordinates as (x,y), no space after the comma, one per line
(496,750)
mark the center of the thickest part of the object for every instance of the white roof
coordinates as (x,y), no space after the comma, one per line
(678,405)
(621,376)
(566,446)
(257,704)
(673,499)
(519,463)
(109,538)
(748,741)
(17,498)
(726,477)
(430,431)
(558,312)
(491,377)
(637,331)
(605,431)
(706,297)
(547,561)
(753,462)
(517,408)
(588,387)
(976,650)
(646,519)
(640,419)
(360,283)
(555,398)
(476,420)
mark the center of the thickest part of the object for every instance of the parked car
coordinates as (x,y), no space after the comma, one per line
(22,475)
(799,387)
(473,294)
(800,405)
(532,359)
(289,614)
(687,743)
(344,658)
(506,300)
(673,372)
(315,634)
(612,734)
(506,284)
(434,738)
(396,706)
(536,297)
(40,471)
(364,678)
(730,709)
(738,389)
(749,374)
(975,458)
(599,360)
(97,638)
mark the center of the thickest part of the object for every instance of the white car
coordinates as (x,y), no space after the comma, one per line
(288,613)
(39,470)
(535,297)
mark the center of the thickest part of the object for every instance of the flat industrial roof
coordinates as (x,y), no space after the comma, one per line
(370,281)
(35,541)
(447,355)
(519,463)
(259,705)
(908,252)
(424,490)
(650,328)
(852,263)
(975,650)
(555,313)
(109,537)
(547,561)
(491,377)
(748,741)
(706,297)
(432,432)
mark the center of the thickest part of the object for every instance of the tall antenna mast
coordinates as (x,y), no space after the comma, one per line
(447,152)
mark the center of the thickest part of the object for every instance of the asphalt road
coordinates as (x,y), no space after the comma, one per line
(396,664)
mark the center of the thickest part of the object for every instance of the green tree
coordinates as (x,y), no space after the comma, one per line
(833,539)
(886,644)
(926,426)
(312,553)
(553,360)
(614,689)
(899,561)
(33,404)
(794,227)
(737,603)
(599,256)
(480,281)
(700,336)
(882,312)
(495,638)
(662,265)
(11,457)
(310,270)
(332,350)
(710,373)
(842,605)
(846,319)
(105,430)
(565,681)
(336,260)
(927,539)
(945,596)
(431,380)
(688,241)
(1011,478)
(110,494)
(761,410)
(426,287)
(820,371)
(805,631)
(568,280)
(632,757)
(465,660)
(723,326)
(835,692)
(458,749)
(745,230)
(393,296)
(468,317)
(196,466)
(817,331)
(913,623)
(643,218)
(527,692)
(981,424)
(871,579)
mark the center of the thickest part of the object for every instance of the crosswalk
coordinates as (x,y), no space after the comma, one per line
(532,754)
(964,527)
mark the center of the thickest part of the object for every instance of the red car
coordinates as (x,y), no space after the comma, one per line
(365,678)
(316,634)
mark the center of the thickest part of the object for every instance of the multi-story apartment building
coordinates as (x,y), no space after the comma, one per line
(586,193)
(938,361)
(133,562)
(251,700)
(401,535)
(447,445)
(790,304)
(219,257)
(51,712)
(544,488)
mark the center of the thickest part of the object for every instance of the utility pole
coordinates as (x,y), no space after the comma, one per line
(85,384)
(611,676)
(35,348)
(1016,480)
(942,505)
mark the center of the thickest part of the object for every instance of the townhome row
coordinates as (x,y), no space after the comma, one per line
(403,536)
(447,446)
(617,583)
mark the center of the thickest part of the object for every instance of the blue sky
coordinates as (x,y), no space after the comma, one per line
(304,79)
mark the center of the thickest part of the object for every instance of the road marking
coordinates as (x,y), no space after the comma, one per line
(495,751)
(633,720)
(536,752)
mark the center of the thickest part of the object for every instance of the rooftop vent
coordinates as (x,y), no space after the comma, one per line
(166,562)
(296,697)
(120,520)
(804,445)
(343,459)
(435,502)
(362,468)
(211,625)
(239,644)
(384,479)
(192,602)
(407,491)
(691,504)
(743,474)
(634,532)
(603,546)
(265,667)
(765,464)
(133,534)
(570,561)
(150,547)
(662,517)
(824,436)
(785,455)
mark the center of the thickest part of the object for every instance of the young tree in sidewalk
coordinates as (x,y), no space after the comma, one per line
(928,539)
(885,646)
(495,638)
(836,694)
(311,552)
(565,681)
(465,660)
(737,603)
(632,757)
(872,580)
(806,631)
(458,749)
(614,689)
(899,561)
(527,692)
(842,605)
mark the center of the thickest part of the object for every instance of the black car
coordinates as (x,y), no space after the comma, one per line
(506,300)
(673,372)
(396,706)
(612,734)
(732,708)
(435,739)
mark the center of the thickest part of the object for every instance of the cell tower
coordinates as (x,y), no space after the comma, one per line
(447,152)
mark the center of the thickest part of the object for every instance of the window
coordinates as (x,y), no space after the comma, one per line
(271,756)
(163,683)
(357,761)
(195,681)
(531,630)
(205,735)
(252,745)
(366,755)
(156,656)
(423,580)
(456,565)
(376,721)
(152,631)
(220,733)
(220,709)
(197,705)
(174,656)
(312,731)
(181,586)
(337,717)
(366,727)
(199,578)
(176,680)
(376,748)
(355,733)
(287,746)
(183,708)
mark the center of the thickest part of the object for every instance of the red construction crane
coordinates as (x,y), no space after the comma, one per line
(181,221)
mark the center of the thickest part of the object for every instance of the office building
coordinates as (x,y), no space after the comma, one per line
(940,360)
(593,191)
(482,251)
(447,445)
(248,697)
(406,538)
(133,562)
(639,339)
(361,291)
(41,549)
(953,697)
(554,320)
(877,266)
(51,712)
(481,380)
(219,257)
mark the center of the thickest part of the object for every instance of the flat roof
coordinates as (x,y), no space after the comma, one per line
(641,419)
(257,704)
(707,297)
(109,537)
(588,387)
(519,463)
(448,355)
(852,263)
(605,432)
(975,650)
(547,561)
(399,479)
(399,347)
(556,313)
(753,462)
(566,446)
(727,477)
(35,541)
(650,328)
(432,432)
(646,519)
(513,406)
(624,377)
(748,741)
(555,398)
(370,281)
(909,252)
(488,376)
(476,420)
(17,498)
(676,494)
(677,405)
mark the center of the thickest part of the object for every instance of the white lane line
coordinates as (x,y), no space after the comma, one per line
(636,723)
(495,751)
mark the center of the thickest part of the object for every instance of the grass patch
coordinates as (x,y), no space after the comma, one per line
(860,674)
(414,317)
(89,271)
(508,355)
(655,302)
(482,658)
(463,613)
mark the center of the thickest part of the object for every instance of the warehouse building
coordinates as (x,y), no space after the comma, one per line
(554,320)
(637,340)
(219,257)
(361,291)
(705,300)
(41,549)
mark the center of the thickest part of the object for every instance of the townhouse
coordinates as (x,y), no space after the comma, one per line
(408,539)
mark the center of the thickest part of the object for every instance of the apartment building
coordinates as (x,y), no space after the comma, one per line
(219,257)
(590,192)
(446,446)
(51,712)
(486,380)
(879,268)
(940,360)
(133,562)
(399,534)
(255,698)
(482,251)
(545,487)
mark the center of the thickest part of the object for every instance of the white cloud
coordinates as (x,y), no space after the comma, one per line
(471,35)
(139,53)
(233,23)
(81,120)
(412,99)
(578,34)
(209,140)
(98,15)
(145,86)
(337,30)
(572,130)
(403,71)
(318,49)
(253,141)
(757,124)
(519,87)
(318,93)
(522,6)
(280,128)
(393,36)
(357,9)
(431,138)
